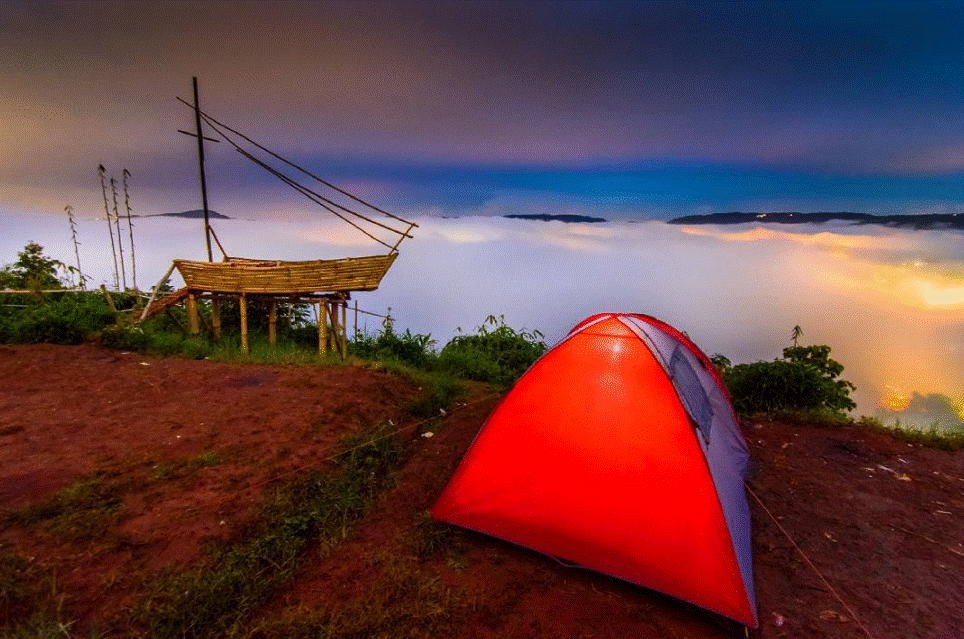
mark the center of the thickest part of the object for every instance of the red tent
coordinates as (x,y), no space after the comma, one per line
(618,451)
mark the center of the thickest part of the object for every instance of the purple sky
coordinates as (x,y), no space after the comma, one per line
(630,110)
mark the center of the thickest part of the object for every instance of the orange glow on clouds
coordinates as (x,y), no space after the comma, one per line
(895,400)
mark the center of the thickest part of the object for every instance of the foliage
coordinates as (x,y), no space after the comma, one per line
(82,510)
(805,378)
(247,572)
(498,354)
(33,271)
(721,362)
(934,437)
(404,602)
(69,318)
(439,391)
(407,348)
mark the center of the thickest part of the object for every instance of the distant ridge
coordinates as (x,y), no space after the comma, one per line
(934,221)
(569,219)
(195,214)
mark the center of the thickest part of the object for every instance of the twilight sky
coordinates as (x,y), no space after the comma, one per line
(629,110)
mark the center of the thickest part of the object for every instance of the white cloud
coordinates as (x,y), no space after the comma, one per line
(891,303)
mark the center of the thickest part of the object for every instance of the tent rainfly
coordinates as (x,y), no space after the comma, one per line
(618,451)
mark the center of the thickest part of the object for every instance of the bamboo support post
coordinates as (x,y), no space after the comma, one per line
(333,316)
(193,324)
(243,306)
(355,335)
(216,318)
(110,302)
(344,327)
(322,326)
(161,282)
(273,323)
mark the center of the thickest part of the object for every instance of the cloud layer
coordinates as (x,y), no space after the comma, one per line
(891,303)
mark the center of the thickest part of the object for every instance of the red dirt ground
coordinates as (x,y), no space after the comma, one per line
(879,518)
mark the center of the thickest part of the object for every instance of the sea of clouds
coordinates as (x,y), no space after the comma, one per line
(890,302)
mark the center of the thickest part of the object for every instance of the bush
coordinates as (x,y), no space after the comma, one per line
(499,355)
(68,319)
(407,348)
(33,270)
(128,338)
(805,379)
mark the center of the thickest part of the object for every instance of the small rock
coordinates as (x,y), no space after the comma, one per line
(428,434)
(828,615)
(778,619)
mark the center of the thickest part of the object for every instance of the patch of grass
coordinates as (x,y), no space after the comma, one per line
(170,471)
(405,602)
(30,607)
(813,417)
(933,437)
(439,391)
(83,510)
(282,353)
(211,600)
(19,585)
(431,538)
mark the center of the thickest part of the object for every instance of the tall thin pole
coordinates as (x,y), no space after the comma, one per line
(110,229)
(130,229)
(73,235)
(120,244)
(200,157)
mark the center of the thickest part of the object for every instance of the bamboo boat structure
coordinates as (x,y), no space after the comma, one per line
(277,277)
(327,283)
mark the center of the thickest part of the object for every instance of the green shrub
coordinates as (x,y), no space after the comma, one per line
(128,338)
(67,319)
(407,348)
(499,354)
(805,379)
(33,270)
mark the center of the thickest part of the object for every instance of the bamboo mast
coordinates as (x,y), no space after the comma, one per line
(200,157)
(73,234)
(120,244)
(110,229)
(130,229)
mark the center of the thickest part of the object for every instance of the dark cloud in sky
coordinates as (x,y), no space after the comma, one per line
(410,91)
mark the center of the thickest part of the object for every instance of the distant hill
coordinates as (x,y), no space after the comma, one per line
(918,222)
(557,218)
(195,214)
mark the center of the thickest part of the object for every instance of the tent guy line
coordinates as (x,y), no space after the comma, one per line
(819,574)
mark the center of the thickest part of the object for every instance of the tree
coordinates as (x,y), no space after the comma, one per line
(33,270)
(805,378)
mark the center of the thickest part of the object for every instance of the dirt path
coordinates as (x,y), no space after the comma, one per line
(194,444)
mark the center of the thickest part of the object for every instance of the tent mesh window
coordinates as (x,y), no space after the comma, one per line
(691,391)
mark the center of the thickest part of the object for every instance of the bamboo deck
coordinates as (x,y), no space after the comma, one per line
(275,277)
